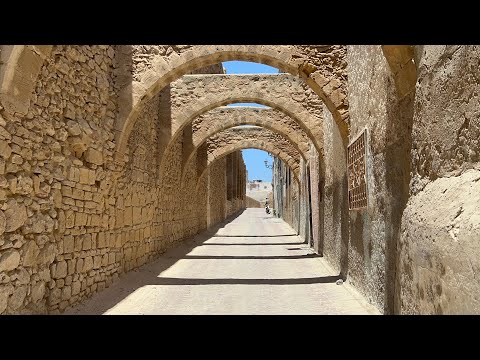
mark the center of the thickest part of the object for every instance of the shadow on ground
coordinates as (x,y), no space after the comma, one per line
(149,275)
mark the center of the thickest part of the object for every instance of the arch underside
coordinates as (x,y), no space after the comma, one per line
(297,139)
(162,72)
(292,163)
(305,118)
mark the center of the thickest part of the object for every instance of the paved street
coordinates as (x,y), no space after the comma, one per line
(253,265)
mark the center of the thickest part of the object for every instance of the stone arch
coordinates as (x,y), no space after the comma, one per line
(18,75)
(162,71)
(224,118)
(401,59)
(238,138)
(278,92)
(251,144)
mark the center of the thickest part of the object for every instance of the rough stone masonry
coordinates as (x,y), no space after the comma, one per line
(109,155)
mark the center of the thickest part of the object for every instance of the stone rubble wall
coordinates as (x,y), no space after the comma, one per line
(71,218)
(56,174)
(317,179)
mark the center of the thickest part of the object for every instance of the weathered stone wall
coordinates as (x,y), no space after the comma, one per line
(304,229)
(71,219)
(286,194)
(136,198)
(317,190)
(217,200)
(446,125)
(335,205)
(374,231)
(56,177)
(439,250)
(235,183)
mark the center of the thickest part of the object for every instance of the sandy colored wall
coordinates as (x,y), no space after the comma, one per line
(439,250)
(72,219)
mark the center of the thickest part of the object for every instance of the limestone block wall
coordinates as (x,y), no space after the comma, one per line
(235,184)
(439,249)
(304,228)
(56,173)
(180,215)
(137,226)
(71,218)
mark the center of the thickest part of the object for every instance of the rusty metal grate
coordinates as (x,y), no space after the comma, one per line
(357,186)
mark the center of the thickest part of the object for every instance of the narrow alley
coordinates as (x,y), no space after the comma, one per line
(255,264)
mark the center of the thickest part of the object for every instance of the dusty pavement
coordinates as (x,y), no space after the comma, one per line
(253,265)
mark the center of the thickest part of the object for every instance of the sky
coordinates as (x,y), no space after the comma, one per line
(254,159)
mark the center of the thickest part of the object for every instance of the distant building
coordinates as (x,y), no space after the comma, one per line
(259,189)
(259,185)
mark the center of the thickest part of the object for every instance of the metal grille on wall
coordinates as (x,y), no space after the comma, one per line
(357,185)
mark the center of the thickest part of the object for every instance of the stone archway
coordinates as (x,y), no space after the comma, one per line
(281,92)
(325,81)
(248,144)
(224,118)
(235,139)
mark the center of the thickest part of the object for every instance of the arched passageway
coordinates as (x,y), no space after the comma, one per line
(325,79)
(224,118)
(112,155)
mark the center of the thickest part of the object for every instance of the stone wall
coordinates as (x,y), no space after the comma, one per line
(439,251)
(335,205)
(317,195)
(304,226)
(376,106)
(286,194)
(56,178)
(217,200)
(72,219)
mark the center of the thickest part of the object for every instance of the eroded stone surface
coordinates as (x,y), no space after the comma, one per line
(439,251)
(75,212)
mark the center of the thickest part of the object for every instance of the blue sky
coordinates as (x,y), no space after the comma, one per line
(254,159)
(243,67)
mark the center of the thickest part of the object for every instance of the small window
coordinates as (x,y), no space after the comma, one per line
(357,173)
